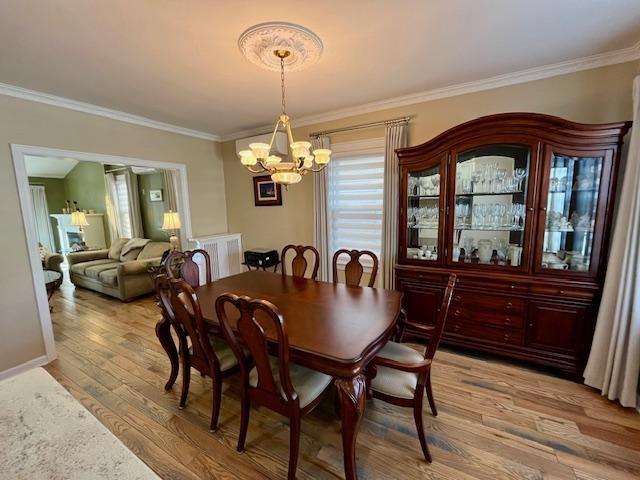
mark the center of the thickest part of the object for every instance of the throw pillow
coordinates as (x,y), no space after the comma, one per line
(43,252)
(116,248)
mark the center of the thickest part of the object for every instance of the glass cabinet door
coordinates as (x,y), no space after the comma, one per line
(489,216)
(572,196)
(423,214)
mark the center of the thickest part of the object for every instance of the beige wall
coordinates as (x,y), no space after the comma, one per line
(29,123)
(600,95)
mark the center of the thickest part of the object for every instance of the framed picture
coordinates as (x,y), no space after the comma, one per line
(266,192)
(155,195)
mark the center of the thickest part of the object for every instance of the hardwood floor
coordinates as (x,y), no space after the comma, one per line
(496,421)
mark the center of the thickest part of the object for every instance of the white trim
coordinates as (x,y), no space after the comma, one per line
(18,152)
(628,54)
(31,364)
(41,97)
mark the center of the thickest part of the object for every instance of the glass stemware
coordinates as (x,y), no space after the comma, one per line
(519,174)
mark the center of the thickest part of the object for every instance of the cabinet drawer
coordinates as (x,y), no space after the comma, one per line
(481,332)
(509,319)
(481,301)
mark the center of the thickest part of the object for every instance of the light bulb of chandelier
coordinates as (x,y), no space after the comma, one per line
(308,162)
(247,158)
(286,178)
(300,150)
(260,150)
(323,155)
(272,160)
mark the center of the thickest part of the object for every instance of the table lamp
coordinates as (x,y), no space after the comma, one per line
(79,219)
(171,223)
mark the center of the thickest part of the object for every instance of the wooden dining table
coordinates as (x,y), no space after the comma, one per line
(332,328)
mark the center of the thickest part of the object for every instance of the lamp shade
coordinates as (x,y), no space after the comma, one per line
(171,221)
(79,219)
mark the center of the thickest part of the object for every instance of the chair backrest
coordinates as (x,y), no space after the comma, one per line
(299,263)
(181,265)
(257,319)
(434,341)
(354,270)
(187,313)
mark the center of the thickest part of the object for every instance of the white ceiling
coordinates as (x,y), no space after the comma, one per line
(178,62)
(48,167)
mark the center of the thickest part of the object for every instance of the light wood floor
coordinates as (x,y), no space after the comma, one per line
(496,421)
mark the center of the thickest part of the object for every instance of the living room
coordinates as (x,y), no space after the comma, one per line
(162,102)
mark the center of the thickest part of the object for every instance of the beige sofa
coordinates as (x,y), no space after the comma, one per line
(120,271)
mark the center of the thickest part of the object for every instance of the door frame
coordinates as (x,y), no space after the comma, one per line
(18,153)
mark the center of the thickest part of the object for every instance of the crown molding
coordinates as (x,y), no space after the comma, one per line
(46,98)
(628,54)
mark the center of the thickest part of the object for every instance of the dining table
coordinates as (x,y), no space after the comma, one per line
(332,328)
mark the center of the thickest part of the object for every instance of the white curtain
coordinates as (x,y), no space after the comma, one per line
(111,201)
(41,216)
(171,190)
(614,361)
(395,136)
(320,204)
(137,230)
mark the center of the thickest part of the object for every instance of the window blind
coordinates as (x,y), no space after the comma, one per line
(356,193)
(124,215)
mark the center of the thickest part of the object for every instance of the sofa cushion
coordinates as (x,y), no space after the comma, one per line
(109,277)
(94,270)
(80,268)
(154,250)
(132,249)
(116,248)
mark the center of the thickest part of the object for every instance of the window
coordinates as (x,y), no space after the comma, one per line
(122,199)
(356,194)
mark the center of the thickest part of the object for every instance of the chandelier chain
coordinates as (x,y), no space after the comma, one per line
(282,84)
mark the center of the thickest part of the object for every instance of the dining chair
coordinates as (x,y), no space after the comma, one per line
(208,353)
(182,265)
(274,382)
(354,269)
(299,262)
(403,374)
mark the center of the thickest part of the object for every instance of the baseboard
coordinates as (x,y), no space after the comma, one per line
(36,362)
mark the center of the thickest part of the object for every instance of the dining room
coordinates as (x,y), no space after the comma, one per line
(371,244)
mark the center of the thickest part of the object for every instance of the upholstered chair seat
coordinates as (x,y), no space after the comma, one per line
(223,351)
(395,382)
(308,383)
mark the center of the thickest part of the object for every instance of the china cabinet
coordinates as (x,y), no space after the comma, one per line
(519,206)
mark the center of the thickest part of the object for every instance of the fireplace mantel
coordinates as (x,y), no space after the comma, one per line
(93,233)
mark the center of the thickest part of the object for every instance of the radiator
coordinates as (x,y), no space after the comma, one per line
(225,251)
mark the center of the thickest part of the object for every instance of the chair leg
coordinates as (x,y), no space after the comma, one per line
(217,399)
(244,419)
(432,402)
(417,415)
(186,379)
(294,445)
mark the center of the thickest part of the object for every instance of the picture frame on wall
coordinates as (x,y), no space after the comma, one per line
(155,195)
(266,192)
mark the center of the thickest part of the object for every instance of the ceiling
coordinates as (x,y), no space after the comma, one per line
(48,167)
(178,61)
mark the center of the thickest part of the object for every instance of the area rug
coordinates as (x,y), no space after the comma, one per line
(45,433)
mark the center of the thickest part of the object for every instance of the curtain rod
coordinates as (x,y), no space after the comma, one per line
(393,121)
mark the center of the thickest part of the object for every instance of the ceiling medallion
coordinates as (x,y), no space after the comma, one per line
(292,47)
(258,43)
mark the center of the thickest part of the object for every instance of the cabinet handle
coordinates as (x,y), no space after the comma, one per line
(507,321)
(457,298)
(456,328)
(457,312)
(531,324)
(530,209)
(506,336)
(508,306)
(544,209)
(512,286)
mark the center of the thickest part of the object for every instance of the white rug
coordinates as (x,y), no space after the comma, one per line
(46,434)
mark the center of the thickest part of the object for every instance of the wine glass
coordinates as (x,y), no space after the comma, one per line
(519,174)
(501,175)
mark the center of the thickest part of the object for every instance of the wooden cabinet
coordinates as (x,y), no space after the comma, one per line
(519,206)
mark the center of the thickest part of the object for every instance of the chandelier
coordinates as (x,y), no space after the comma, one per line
(269,45)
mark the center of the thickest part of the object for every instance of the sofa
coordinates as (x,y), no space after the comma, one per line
(120,271)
